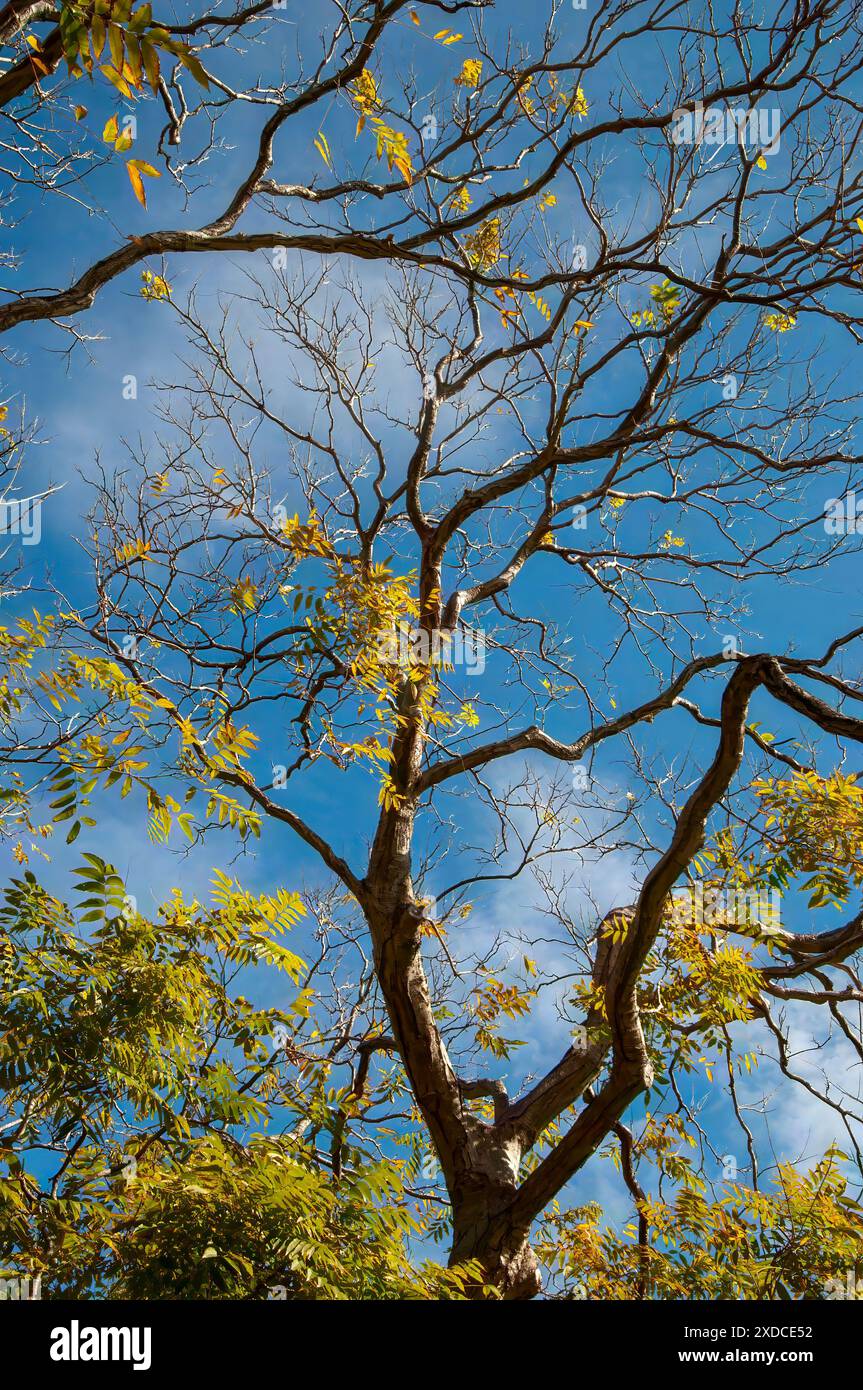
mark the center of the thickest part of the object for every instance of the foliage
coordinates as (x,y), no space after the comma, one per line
(797,1240)
(481,375)
(147,1149)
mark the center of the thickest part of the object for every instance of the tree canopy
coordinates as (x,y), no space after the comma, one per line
(427,629)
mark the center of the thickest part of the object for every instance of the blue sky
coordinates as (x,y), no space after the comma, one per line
(77,396)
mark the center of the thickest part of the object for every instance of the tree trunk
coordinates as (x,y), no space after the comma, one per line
(483,1231)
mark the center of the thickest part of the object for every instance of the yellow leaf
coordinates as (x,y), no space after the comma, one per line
(133,550)
(323,149)
(111,130)
(98,34)
(761,162)
(780,323)
(117,80)
(364,92)
(471,72)
(137,183)
(129,75)
(578,103)
(154,286)
(244,595)
(135,168)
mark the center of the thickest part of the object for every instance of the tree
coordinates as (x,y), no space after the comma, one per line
(128,1057)
(481,411)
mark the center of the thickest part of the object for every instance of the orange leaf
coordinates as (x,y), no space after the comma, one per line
(137,183)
